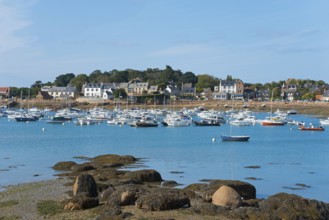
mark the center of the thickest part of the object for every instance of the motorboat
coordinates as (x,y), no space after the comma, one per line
(207,123)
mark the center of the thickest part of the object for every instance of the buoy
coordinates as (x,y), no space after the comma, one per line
(43,129)
(213,139)
(63,123)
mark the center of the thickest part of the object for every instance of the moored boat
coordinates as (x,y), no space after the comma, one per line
(234,138)
(207,123)
(272,122)
(303,128)
(324,122)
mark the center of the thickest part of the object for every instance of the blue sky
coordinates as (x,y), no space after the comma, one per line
(254,40)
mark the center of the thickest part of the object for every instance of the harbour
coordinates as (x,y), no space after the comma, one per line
(275,159)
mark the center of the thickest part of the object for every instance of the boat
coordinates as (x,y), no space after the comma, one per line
(21,117)
(231,137)
(146,124)
(84,121)
(234,138)
(145,121)
(303,128)
(324,122)
(292,112)
(241,122)
(52,121)
(278,120)
(271,121)
(207,123)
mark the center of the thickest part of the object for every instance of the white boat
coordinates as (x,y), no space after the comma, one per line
(84,121)
(272,121)
(324,122)
(241,122)
(177,120)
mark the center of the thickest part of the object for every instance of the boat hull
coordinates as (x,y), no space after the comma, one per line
(311,129)
(234,138)
(206,123)
(272,123)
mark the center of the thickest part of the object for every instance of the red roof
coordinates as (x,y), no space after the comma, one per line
(4,89)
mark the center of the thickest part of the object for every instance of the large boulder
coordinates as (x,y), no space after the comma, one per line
(246,190)
(125,195)
(85,184)
(109,159)
(105,195)
(81,201)
(162,200)
(227,197)
(64,165)
(83,167)
(288,206)
(205,191)
(144,176)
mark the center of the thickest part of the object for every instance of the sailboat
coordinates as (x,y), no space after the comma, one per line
(231,137)
(272,121)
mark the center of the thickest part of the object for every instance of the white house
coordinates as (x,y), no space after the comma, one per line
(99,90)
(219,96)
(234,88)
(62,92)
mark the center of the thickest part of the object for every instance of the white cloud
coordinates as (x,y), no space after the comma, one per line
(11,22)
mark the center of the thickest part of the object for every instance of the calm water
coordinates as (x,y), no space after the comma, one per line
(286,155)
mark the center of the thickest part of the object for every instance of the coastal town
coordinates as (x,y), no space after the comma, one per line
(163,86)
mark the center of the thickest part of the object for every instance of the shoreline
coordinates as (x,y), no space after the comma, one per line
(24,200)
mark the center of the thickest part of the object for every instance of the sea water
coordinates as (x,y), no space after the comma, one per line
(288,160)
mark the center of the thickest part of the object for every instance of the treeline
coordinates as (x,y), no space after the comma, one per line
(160,77)
(164,77)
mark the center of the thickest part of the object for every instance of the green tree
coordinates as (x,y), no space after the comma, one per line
(229,78)
(97,77)
(35,88)
(189,77)
(79,80)
(118,76)
(207,81)
(308,96)
(64,79)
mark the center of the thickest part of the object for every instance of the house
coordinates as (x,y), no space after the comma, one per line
(290,91)
(92,90)
(263,95)
(141,87)
(249,94)
(4,92)
(45,88)
(153,89)
(42,95)
(220,96)
(99,90)
(232,87)
(206,94)
(325,96)
(187,91)
(68,92)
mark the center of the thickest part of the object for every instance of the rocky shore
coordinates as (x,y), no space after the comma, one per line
(103,188)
